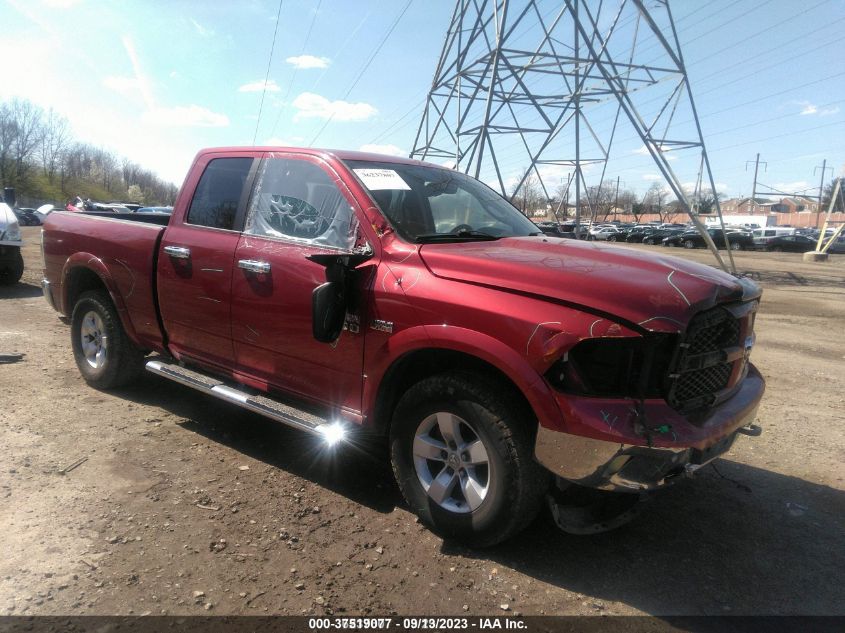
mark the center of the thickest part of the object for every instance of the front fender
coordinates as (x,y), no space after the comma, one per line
(472,343)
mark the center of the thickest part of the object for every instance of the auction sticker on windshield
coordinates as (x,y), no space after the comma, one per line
(378,179)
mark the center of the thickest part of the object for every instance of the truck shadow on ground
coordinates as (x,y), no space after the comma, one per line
(277,445)
(734,540)
(831,277)
(20,290)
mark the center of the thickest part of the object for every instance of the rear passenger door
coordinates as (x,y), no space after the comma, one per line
(195,261)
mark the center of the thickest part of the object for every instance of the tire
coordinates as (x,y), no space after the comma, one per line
(508,488)
(776,249)
(108,359)
(689,244)
(612,238)
(735,246)
(12,270)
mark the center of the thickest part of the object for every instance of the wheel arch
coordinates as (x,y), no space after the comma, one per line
(504,367)
(83,273)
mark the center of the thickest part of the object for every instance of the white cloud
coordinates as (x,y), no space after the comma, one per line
(390,150)
(808,108)
(796,185)
(60,4)
(128,87)
(643,151)
(308,61)
(185,116)
(258,86)
(652,177)
(202,30)
(314,106)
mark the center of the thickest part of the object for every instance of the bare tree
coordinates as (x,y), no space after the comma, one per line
(8,133)
(529,195)
(54,140)
(655,199)
(29,119)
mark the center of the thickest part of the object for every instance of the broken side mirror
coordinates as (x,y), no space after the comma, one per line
(331,300)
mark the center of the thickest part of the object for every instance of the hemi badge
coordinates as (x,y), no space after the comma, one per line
(382,326)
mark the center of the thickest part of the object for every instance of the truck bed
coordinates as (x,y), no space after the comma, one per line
(123,254)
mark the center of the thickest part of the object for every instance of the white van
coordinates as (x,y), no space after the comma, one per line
(762,237)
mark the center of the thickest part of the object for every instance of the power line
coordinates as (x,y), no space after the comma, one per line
(365,67)
(267,74)
(296,68)
(769,138)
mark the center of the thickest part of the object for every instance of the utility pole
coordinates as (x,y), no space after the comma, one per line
(527,84)
(821,189)
(754,188)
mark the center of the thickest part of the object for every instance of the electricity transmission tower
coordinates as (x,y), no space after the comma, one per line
(526,91)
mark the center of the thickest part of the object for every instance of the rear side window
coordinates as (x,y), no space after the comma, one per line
(218,193)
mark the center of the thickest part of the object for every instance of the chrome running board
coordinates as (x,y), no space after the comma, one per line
(262,405)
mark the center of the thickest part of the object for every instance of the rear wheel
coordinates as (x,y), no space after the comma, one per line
(105,356)
(12,269)
(462,454)
(736,246)
(776,249)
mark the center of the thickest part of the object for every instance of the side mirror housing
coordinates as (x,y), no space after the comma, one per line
(330,301)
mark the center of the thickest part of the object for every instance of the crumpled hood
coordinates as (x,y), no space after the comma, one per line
(656,292)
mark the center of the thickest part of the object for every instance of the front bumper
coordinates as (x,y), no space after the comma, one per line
(625,463)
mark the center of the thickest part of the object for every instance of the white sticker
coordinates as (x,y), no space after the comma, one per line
(378,179)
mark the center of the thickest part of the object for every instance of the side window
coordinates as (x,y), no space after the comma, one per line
(216,199)
(297,199)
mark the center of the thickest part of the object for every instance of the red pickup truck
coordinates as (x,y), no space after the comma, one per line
(339,291)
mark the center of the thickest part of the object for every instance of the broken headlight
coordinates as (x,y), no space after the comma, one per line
(616,367)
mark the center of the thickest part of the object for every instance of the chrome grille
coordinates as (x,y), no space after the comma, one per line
(701,368)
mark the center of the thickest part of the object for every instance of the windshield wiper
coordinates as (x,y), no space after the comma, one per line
(464,235)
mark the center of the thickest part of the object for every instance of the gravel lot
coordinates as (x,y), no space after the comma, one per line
(185,505)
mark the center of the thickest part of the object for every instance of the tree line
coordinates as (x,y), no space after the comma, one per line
(599,201)
(44,163)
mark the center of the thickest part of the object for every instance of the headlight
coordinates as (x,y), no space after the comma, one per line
(616,367)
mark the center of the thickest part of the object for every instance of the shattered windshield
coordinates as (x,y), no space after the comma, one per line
(430,204)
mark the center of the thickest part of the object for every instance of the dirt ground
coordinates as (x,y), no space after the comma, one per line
(185,505)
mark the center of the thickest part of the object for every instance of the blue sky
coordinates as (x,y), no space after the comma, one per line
(155,81)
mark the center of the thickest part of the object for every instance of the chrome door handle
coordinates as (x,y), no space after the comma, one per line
(254,266)
(178,252)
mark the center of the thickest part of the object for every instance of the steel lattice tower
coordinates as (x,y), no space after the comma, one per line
(533,89)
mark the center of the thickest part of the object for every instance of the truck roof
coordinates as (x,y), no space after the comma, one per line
(341,154)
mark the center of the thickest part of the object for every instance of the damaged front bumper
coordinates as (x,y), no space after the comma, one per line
(618,459)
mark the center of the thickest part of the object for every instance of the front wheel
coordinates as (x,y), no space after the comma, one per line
(689,244)
(104,354)
(612,238)
(736,246)
(462,454)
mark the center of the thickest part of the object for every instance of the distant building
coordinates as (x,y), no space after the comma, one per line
(796,205)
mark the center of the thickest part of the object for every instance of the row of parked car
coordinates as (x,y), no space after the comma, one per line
(35,217)
(786,239)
